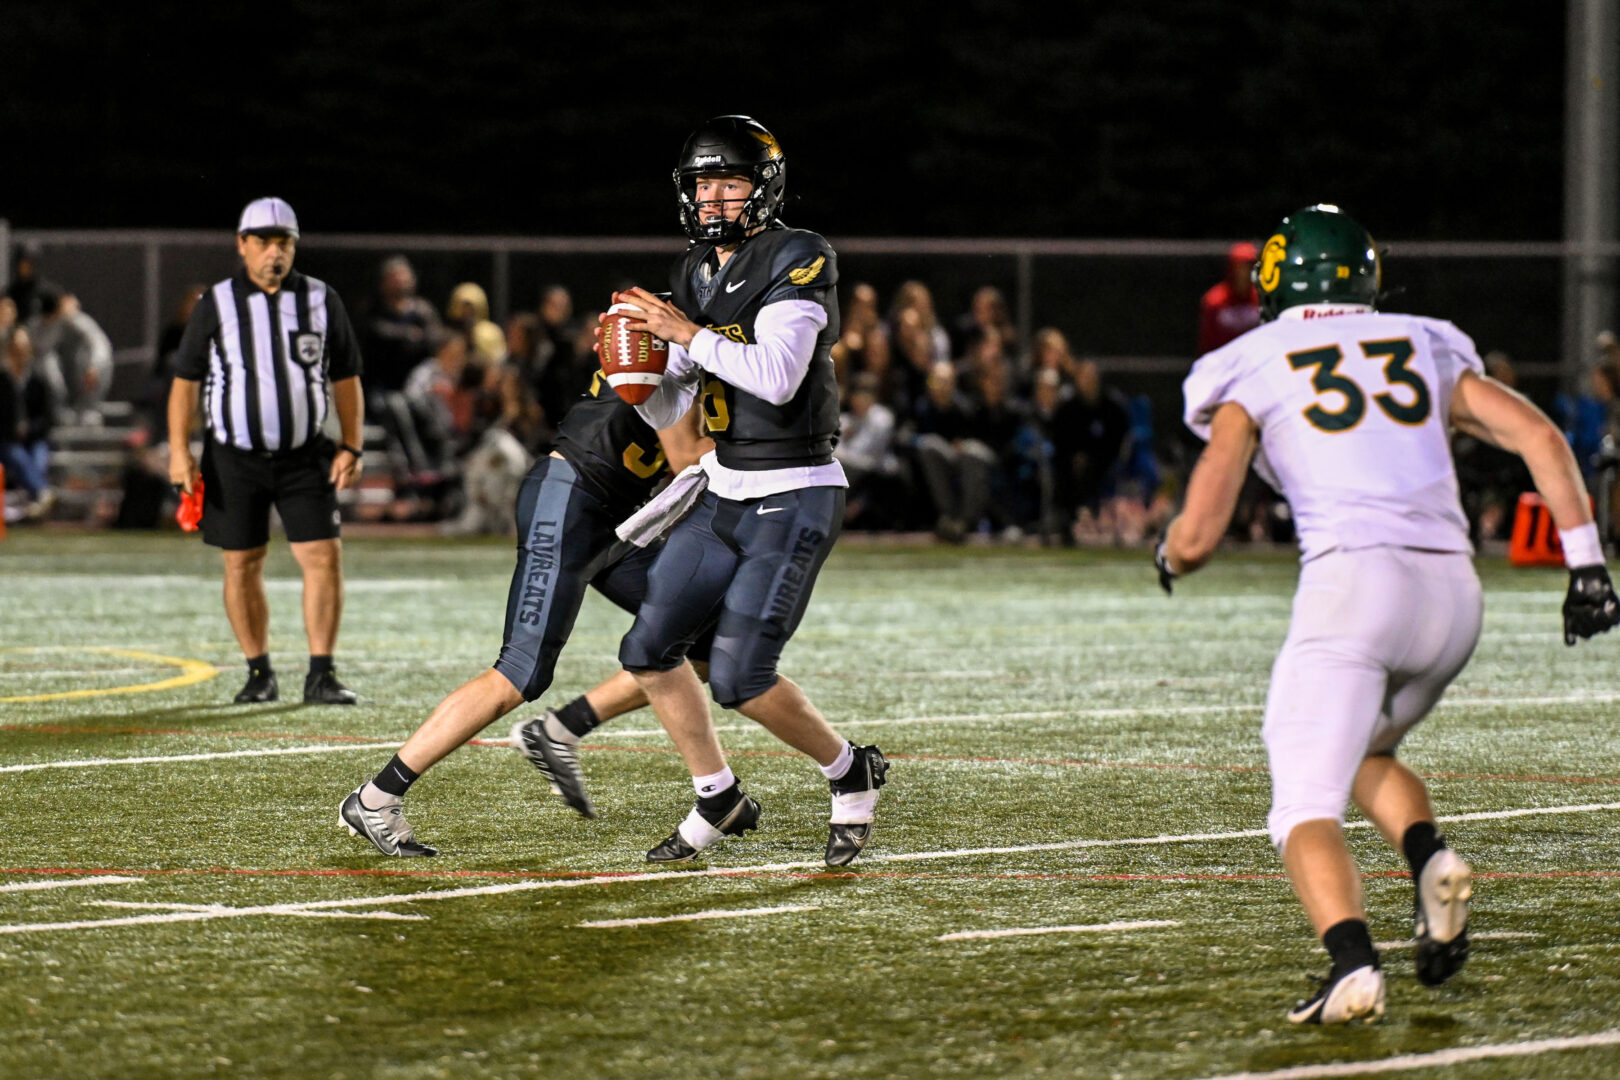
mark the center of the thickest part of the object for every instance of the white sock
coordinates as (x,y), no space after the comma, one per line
(698,832)
(856,808)
(555,731)
(373,797)
(840,764)
(714,783)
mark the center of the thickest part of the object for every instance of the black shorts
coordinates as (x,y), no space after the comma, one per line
(240,486)
(566,542)
(750,564)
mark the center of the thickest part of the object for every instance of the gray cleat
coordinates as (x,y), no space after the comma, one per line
(386,827)
(556,761)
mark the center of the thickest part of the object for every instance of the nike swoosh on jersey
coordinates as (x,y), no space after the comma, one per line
(733,286)
(769,509)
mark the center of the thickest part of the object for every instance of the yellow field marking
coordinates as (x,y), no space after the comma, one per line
(191,671)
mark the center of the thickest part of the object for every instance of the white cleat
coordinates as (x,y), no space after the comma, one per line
(1440,917)
(1355,995)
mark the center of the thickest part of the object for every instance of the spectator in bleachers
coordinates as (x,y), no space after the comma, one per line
(566,360)
(914,346)
(999,423)
(1230,308)
(1050,352)
(396,327)
(863,342)
(956,466)
(1590,415)
(154,394)
(985,354)
(1088,435)
(397,330)
(27,289)
(986,317)
(27,412)
(75,355)
(913,312)
(866,451)
(441,401)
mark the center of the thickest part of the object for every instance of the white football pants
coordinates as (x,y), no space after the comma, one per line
(1376,637)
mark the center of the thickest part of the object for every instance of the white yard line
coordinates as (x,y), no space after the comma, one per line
(730,871)
(1092,928)
(719,913)
(86,763)
(221,909)
(68,883)
(1408,1062)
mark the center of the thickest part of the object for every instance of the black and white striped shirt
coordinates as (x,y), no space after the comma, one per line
(267,359)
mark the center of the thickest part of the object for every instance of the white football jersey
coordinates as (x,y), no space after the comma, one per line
(1352,407)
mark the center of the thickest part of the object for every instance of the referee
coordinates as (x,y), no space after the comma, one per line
(261,352)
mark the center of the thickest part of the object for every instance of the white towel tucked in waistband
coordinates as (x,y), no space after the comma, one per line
(666,508)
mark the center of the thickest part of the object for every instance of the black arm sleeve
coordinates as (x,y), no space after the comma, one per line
(191,358)
(342,350)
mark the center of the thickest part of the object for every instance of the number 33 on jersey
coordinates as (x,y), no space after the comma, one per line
(1351,406)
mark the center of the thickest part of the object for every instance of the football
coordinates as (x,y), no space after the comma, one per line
(633,360)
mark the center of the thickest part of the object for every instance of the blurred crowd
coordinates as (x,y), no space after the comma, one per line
(952,424)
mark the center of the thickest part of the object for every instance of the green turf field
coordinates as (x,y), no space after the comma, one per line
(1070,748)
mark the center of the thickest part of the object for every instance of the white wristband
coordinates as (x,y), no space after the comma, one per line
(1581,546)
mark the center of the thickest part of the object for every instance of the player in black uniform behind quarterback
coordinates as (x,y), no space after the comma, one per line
(751,324)
(606,463)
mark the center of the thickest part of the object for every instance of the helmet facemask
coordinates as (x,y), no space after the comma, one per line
(731,146)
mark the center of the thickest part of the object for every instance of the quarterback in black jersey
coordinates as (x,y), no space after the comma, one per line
(606,463)
(751,321)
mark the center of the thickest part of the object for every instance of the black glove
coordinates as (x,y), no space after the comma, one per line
(1590,606)
(1161,563)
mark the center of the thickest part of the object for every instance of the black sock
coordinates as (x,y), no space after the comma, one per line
(1419,844)
(718,803)
(260,665)
(1350,945)
(320,665)
(396,777)
(578,716)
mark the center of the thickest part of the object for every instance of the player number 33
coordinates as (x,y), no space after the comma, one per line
(1414,409)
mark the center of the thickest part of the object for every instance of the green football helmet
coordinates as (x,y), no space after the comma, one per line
(1318,255)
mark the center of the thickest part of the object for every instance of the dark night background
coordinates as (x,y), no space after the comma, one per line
(1438,120)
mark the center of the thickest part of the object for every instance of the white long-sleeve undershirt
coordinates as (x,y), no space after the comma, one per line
(771,369)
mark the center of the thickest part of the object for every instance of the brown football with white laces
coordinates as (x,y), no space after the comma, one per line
(633,361)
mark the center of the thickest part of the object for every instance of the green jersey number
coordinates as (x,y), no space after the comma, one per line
(1326,379)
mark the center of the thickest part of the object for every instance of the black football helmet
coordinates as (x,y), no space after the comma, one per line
(731,146)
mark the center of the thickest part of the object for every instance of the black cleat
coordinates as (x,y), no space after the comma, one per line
(556,760)
(386,827)
(846,838)
(844,842)
(1440,917)
(1352,995)
(699,831)
(260,688)
(323,688)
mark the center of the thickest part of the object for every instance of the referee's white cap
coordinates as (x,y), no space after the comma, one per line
(268,215)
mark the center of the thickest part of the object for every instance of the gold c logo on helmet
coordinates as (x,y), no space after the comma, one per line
(1276,250)
(770,142)
(806,274)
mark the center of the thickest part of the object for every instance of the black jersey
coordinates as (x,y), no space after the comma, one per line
(611,446)
(778,264)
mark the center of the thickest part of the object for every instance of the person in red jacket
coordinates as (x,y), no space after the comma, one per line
(1231,308)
